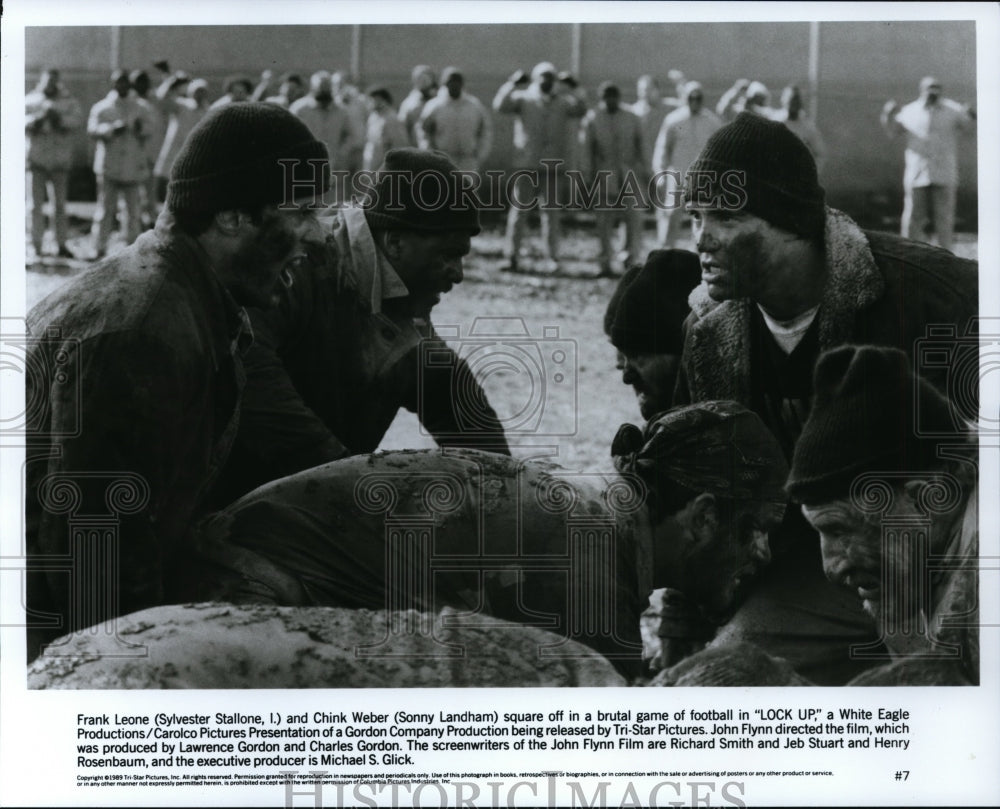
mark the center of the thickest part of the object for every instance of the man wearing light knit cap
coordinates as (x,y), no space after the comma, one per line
(145,366)
(541,113)
(865,464)
(783,278)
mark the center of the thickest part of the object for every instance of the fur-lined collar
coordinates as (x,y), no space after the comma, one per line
(718,351)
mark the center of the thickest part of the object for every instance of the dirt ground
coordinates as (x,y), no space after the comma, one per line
(535,341)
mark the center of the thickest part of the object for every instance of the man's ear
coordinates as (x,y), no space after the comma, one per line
(392,244)
(231,223)
(704,518)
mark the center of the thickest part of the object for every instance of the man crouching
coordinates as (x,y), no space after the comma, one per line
(896,512)
(525,541)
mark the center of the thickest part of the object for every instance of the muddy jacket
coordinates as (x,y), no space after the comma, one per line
(334,362)
(130,416)
(424,529)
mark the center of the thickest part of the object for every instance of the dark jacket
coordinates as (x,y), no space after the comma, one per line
(881,290)
(131,411)
(334,362)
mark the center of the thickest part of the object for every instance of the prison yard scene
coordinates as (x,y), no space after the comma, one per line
(505,356)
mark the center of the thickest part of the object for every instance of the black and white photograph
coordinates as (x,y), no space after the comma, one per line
(389,392)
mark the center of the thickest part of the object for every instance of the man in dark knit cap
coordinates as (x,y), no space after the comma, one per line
(863,469)
(783,278)
(351,341)
(136,400)
(644,320)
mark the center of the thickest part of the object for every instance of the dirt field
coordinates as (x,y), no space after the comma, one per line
(550,374)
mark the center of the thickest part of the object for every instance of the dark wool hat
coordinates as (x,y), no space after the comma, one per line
(421,191)
(236,158)
(779,178)
(862,420)
(651,305)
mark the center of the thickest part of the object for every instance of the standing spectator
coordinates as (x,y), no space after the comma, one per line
(795,118)
(356,107)
(684,133)
(119,123)
(290,89)
(385,130)
(51,116)
(569,84)
(154,141)
(456,123)
(745,96)
(614,154)
(236,88)
(932,125)
(328,121)
(651,109)
(149,397)
(424,89)
(185,103)
(540,133)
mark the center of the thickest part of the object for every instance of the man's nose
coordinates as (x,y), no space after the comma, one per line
(761,547)
(705,239)
(454,271)
(835,562)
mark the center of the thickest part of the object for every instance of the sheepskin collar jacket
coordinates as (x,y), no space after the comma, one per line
(881,289)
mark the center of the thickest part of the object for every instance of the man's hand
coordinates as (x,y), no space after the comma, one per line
(518,77)
(889,108)
(119,127)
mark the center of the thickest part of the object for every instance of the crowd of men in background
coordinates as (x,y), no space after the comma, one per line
(137,131)
(246,339)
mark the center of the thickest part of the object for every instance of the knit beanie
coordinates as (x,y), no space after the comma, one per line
(236,158)
(652,304)
(862,420)
(779,175)
(419,190)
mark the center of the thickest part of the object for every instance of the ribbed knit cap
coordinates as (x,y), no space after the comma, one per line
(420,190)
(651,305)
(232,159)
(863,420)
(779,175)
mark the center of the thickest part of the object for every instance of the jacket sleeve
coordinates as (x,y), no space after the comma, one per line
(97,128)
(506,101)
(281,430)
(485,140)
(452,405)
(426,128)
(129,410)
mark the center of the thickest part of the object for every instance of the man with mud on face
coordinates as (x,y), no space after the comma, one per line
(521,540)
(644,321)
(351,341)
(142,367)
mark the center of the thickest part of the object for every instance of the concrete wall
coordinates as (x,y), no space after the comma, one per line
(860,66)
